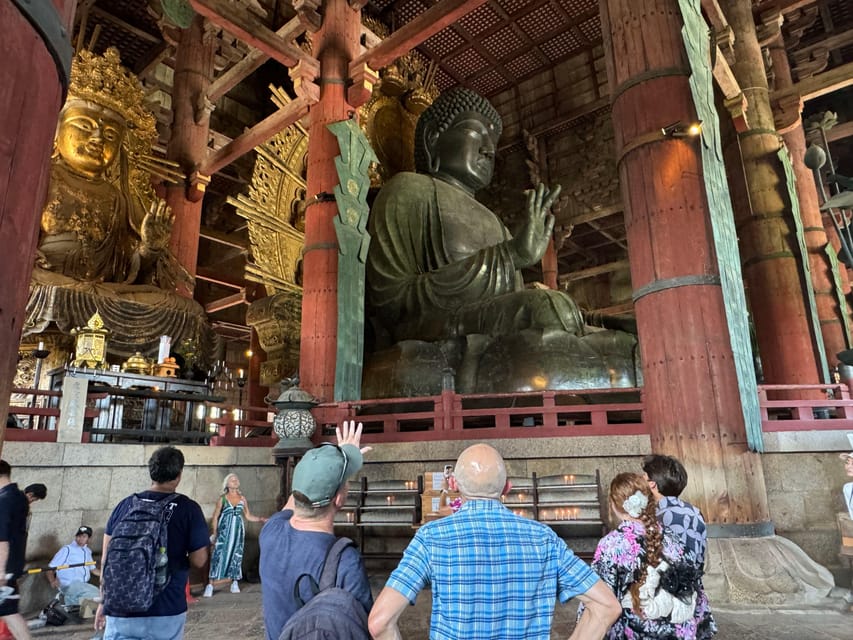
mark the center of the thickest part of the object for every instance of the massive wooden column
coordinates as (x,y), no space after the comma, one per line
(188,141)
(335,45)
(769,250)
(691,396)
(789,123)
(31,96)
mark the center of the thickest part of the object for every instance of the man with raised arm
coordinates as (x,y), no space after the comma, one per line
(493,574)
(295,540)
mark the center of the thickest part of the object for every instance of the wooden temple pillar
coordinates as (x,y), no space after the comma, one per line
(188,141)
(692,402)
(335,46)
(770,253)
(834,321)
(34,74)
(691,397)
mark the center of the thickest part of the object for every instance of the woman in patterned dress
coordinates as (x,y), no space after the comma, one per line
(229,534)
(634,559)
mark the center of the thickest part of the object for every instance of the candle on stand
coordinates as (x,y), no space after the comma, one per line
(41,345)
(239,373)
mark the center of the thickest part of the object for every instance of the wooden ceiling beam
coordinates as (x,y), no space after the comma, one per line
(248,28)
(248,65)
(226,302)
(818,85)
(591,216)
(260,133)
(437,17)
(215,277)
(830,42)
(840,131)
(136,31)
(591,272)
(621,309)
(221,237)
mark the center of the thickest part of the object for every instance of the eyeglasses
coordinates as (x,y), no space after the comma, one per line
(323,503)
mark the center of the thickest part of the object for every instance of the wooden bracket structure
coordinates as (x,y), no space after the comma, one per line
(196,186)
(307,14)
(413,33)
(260,133)
(250,30)
(787,112)
(362,79)
(303,76)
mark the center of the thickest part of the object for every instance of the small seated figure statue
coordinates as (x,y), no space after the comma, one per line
(444,285)
(104,241)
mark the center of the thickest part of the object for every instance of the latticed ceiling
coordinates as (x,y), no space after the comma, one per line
(503,42)
(541,62)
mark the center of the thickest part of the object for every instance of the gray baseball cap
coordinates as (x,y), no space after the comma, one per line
(323,471)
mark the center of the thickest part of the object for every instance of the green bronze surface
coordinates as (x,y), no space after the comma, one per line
(444,286)
(353,167)
(697,44)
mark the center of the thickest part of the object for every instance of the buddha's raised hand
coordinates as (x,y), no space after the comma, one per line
(529,244)
(156,229)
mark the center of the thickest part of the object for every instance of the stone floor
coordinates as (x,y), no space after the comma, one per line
(238,617)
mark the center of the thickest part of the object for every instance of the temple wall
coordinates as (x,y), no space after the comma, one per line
(802,471)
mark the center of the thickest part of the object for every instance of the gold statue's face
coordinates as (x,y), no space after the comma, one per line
(89,137)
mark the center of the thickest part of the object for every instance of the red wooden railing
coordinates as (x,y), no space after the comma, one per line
(450,416)
(40,415)
(834,409)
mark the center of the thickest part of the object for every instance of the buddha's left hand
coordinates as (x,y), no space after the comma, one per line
(156,228)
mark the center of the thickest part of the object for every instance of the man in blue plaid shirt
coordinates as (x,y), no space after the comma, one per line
(494,575)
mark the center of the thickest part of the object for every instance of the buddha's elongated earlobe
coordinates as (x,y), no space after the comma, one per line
(430,142)
(434,163)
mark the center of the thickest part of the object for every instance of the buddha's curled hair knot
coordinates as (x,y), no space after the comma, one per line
(441,113)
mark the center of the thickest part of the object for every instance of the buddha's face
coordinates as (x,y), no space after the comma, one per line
(89,137)
(466,150)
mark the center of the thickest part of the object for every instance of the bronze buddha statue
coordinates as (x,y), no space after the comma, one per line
(104,241)
(444,286)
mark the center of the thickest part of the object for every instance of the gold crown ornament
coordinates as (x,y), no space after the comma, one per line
(104,81)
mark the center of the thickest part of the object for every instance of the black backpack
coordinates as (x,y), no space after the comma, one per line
(332,613)
(130,574)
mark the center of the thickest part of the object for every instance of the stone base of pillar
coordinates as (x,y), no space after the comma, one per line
(769,570)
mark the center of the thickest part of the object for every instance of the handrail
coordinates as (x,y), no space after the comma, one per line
(451,416)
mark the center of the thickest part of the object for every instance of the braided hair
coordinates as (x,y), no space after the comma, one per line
(441,113)
(623,487)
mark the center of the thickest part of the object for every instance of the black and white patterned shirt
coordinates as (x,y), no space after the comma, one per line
(687,522)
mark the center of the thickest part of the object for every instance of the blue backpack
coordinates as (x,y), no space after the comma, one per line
(136,568)
(332,613)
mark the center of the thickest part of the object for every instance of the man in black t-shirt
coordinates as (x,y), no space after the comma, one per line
(187,545)
(13,541)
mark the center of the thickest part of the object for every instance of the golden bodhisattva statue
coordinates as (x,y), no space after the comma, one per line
(97,224)
(104,242)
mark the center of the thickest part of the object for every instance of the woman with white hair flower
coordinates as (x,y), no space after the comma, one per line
(647,568)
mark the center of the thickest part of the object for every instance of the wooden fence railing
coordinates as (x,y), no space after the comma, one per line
(450,416)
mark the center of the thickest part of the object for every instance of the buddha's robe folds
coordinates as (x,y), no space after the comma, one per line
(439,266)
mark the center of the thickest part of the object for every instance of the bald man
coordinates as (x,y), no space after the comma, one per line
(493,574)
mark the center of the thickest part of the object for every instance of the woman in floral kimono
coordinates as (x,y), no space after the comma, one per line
(647,568)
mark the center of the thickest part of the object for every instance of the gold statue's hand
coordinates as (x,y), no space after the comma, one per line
(529,244)
(156,229)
